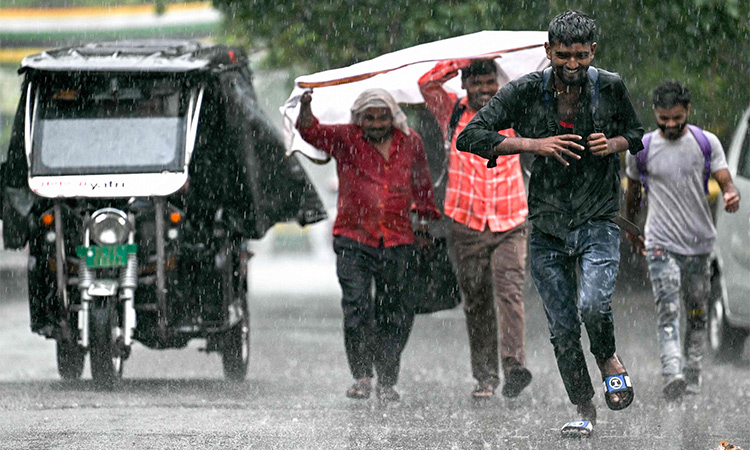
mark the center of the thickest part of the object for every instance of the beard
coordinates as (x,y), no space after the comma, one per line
(672,133)
(377,135)
(569,79)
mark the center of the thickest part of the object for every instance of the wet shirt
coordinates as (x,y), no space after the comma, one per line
(560,198)
(476,196)
(375,194)
(679,217)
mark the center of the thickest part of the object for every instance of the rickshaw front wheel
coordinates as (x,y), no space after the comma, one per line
(106,336)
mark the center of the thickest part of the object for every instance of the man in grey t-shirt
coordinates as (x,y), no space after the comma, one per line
(680,233)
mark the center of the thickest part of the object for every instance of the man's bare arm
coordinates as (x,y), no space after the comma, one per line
(633,196)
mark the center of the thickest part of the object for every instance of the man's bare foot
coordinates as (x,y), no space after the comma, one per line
(583,427)
(587,411)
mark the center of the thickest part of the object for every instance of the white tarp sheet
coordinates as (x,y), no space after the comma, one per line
(334,91)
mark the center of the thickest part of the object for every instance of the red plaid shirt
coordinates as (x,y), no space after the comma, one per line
(476,196)
(375,195)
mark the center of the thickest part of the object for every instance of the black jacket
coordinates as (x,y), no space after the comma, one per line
(560,198)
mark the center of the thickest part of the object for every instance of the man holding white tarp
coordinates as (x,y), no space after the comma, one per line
(382,170)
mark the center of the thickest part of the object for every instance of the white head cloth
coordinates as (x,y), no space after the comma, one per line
(379,98)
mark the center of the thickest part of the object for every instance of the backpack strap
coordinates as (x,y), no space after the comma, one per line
(546,75)
(458,111)
(545,79)
(642,156)
(595,95)
(705,146)
(640,160)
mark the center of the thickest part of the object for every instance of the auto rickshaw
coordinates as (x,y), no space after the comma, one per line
(137,172)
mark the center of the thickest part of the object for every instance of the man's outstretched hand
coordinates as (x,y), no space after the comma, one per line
(305,118)
(556,146)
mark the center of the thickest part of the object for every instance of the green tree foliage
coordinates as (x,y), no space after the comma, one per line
(699,42)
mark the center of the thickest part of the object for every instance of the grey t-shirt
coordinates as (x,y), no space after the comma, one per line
(679,218)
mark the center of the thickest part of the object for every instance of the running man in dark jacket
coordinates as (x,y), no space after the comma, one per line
(575,122)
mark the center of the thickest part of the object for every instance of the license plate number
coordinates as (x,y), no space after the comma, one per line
(98,256)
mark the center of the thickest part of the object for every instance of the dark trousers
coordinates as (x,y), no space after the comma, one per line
(377,322)
(575,278)
(491,269)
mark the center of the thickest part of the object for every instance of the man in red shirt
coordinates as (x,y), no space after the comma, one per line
(487,209)
(382,171)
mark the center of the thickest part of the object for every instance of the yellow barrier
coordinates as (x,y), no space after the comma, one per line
(84,12)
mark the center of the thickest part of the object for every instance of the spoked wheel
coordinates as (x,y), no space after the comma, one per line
(106,342)
(70,358)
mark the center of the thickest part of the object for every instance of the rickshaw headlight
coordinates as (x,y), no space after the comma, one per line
(109,226)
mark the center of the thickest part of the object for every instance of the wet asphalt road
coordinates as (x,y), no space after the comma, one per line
(293,397)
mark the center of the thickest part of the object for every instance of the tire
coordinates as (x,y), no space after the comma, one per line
(105,340)
(727,342)
(235,343)
(235,349)
(70,359)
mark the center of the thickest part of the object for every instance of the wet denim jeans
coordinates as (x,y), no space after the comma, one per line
(676,279)
(575,278)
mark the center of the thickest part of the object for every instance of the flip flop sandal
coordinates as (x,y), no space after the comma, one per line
(577,429)
(615,384)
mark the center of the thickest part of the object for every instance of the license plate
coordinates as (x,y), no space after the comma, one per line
(106,255)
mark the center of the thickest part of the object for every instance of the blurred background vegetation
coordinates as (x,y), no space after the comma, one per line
(702,43)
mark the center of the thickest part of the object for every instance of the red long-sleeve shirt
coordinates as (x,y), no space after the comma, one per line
(475,196)
(375,194)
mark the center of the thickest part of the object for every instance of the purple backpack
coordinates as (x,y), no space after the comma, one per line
(642,156)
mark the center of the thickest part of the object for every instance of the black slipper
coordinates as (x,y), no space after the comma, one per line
(518,378)
(619,383)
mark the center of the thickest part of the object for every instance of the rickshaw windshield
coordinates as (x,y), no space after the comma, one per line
(109,123)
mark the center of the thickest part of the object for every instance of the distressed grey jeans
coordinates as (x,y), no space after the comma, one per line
(676,279)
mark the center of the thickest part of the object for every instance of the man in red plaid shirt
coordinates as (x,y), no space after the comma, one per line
(487,211)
